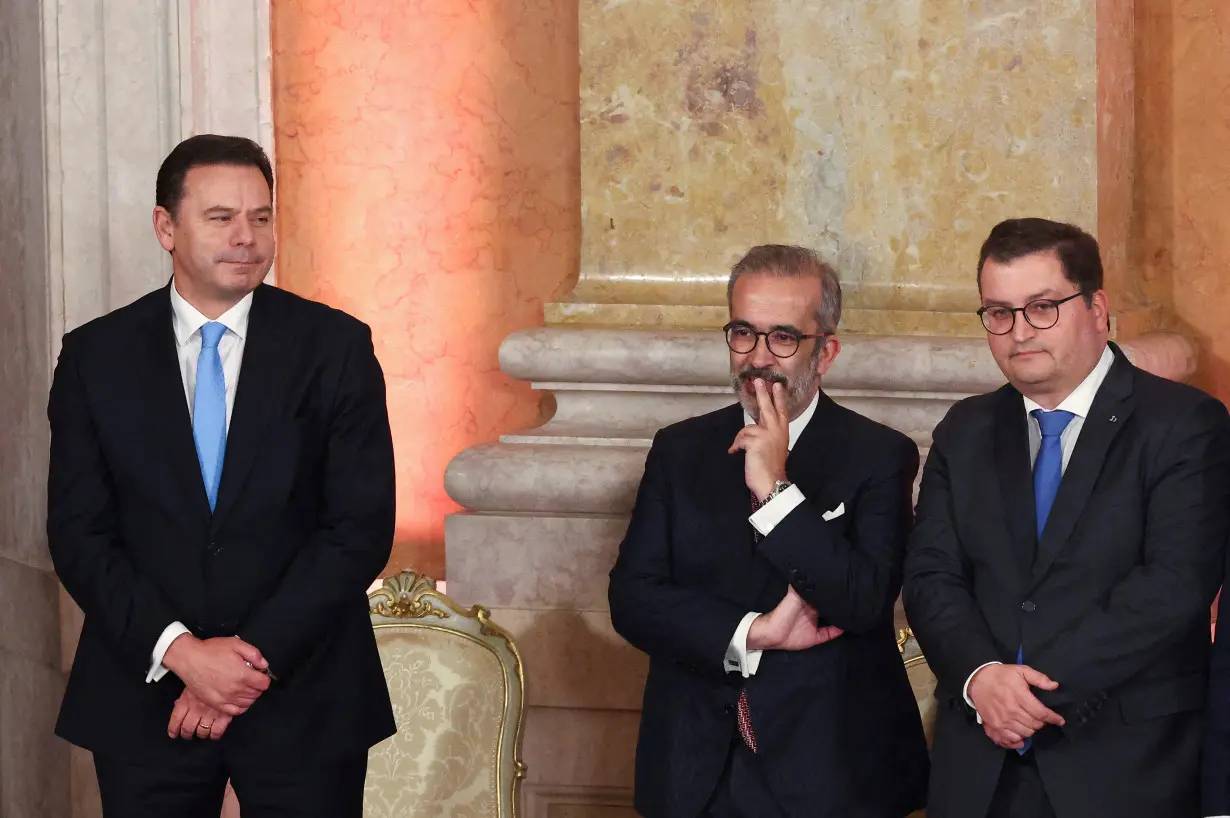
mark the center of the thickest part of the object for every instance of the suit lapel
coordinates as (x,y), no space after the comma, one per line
(1015,476)
(1107,416)
(263,375)
(169,421)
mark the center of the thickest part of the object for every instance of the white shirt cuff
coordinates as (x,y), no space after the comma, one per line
(738,658)
(172,632)
(774,511)
(965,689)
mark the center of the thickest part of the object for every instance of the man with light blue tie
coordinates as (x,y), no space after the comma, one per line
(220,497)
(1070,537)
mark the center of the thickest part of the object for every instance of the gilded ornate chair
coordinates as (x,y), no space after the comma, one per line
(458,693)
(922,680)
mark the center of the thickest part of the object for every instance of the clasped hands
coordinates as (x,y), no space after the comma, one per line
(793,624)
(222,678)
(1009,710)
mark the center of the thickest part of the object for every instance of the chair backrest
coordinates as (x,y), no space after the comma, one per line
(458,694)
(922,680)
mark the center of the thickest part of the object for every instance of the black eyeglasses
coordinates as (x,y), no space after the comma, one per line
(1040,314)
(781,342)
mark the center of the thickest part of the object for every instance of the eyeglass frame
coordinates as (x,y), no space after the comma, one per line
(800,337)
(1054,302)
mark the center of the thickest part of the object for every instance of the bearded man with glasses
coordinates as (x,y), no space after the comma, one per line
(759,572)
(1070,537)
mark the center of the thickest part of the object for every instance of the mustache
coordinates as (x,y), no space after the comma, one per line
(766,374)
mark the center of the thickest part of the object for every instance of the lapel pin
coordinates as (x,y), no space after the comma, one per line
(1113,418)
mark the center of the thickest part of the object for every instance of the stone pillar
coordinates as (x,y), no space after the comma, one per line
(889,139)
(94,95)
(427,155)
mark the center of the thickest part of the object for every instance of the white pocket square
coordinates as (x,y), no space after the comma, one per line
(835,513)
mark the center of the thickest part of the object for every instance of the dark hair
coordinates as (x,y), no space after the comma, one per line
(1077,250)
(788,260)
(199,151)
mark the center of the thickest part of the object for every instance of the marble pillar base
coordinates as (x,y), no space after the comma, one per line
(546,509)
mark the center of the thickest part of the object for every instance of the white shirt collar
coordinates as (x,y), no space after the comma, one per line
(188,319)
(798,424)
(1081,399)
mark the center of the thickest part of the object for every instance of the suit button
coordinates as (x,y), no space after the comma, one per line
(1028,607)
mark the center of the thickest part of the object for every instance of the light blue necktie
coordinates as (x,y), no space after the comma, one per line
(1048,472)
(209,410)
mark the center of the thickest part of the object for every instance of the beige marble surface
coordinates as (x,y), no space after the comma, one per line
(890,136)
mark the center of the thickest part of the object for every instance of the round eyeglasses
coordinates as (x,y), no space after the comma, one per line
(783,343)
(1040,314)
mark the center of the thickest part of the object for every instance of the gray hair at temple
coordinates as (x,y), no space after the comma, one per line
(792,261)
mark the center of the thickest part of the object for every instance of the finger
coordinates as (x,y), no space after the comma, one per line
(188,728)
(177,717)
(233,710)
(1037,679)
(764,402)
(1009,738)
(1023,724)
(250,683)
(828,633)
(249,653)
(741,440)
(1039,711)
(1008,744)
(779,403)
(219,727)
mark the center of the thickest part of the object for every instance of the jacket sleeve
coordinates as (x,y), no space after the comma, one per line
(355,531)
(83,528)
(648,608)
(852,581)
(939,600)
(1171,590)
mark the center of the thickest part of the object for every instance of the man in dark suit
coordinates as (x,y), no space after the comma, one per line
(1069,541)
(759,572)
(220,498)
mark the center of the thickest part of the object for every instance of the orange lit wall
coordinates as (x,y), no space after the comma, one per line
(1183,171)
(429,184)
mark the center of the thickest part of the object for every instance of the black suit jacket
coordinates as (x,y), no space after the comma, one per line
(1216,757)
(303,524)
(1112,603)
(837,726)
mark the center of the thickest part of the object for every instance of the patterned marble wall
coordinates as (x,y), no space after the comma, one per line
(891,136)
(427,154)
(34,766)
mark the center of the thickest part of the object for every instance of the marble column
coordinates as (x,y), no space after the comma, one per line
(94,95)
(428,162)
(890,137)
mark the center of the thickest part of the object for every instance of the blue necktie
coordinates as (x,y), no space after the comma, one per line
(1048,468)
(209,410)
(1048,471)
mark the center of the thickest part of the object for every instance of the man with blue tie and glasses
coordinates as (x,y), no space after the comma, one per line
(1069,542)
(220,497)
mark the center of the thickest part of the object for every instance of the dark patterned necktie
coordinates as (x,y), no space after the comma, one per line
(743,716)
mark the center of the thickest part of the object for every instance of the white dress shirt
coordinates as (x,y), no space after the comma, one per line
(1078,403)
(187,322)
(738,658)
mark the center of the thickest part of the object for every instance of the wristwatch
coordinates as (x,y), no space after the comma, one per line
(778,487)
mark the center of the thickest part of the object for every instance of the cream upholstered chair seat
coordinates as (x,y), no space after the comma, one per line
(457,687)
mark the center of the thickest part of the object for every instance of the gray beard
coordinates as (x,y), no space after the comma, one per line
(798,391)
